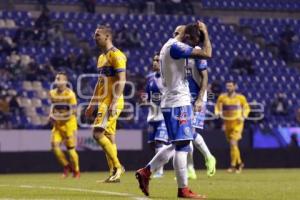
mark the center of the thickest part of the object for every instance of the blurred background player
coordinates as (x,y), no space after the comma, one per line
(233,108)
(108,96)
(176,107)
(158,136)
(63,119)
(197,76)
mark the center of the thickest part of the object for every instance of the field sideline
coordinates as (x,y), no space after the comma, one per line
(262,184)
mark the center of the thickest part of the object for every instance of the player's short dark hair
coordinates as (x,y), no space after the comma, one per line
(193,31)
(231,81)
(107,29)
(62,73)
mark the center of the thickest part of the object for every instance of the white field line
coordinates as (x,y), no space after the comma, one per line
(131,196)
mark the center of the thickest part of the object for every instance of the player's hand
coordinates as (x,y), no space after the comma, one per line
(112,110)
(198,105)
(201,26)
(89,111)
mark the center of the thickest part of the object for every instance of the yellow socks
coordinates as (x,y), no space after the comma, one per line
(109,150)
(235,155)
(60,156)
(74,159)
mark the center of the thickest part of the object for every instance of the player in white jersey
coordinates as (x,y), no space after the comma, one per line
(176,106)
(197,76)
(157,131)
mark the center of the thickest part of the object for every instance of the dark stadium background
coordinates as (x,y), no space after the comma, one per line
(255,43)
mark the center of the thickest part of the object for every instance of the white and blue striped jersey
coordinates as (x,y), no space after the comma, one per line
(172,64)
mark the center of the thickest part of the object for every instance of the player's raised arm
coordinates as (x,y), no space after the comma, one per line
(189,37)
(206,51)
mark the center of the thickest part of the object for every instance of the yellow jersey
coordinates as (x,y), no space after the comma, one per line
(109,64)
(62,107)
(232,108)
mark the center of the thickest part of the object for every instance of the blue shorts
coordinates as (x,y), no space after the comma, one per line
(157,131)
(199,117)
(179,123)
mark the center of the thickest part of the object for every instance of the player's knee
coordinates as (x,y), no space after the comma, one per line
(70,147)
(233,143)
(98,133)
(183,146)
(111,138)
(54,145)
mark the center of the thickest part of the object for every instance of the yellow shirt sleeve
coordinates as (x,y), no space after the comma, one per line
(73,100)
(245,106)
(218,107)
(118,61)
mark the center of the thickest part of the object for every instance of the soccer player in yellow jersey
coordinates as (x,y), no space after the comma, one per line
(233,108)
(63,119)
(108,96)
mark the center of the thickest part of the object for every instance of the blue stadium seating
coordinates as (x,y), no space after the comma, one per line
(280,5)
(271,74)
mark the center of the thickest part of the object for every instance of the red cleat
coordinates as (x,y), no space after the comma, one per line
(188,194)
(66,171)
(76,174)
(143,176)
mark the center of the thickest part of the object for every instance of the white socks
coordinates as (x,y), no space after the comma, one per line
(190,159)
(157,149)
(180,166)
(201,146)
(161,158)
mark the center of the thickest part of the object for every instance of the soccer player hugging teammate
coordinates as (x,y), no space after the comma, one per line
(108,96)
(197,76)
(233,108)
(158,136)
(63,118)
(176,106)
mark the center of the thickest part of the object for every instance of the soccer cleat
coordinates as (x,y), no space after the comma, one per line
(107,180)
(115,178)
(210,163)
(191,173)
(188,194)
(66,171)
(239,168)
(76,174)
(231,169)
(143,177)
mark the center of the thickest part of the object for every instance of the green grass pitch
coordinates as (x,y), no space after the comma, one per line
(262,184)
